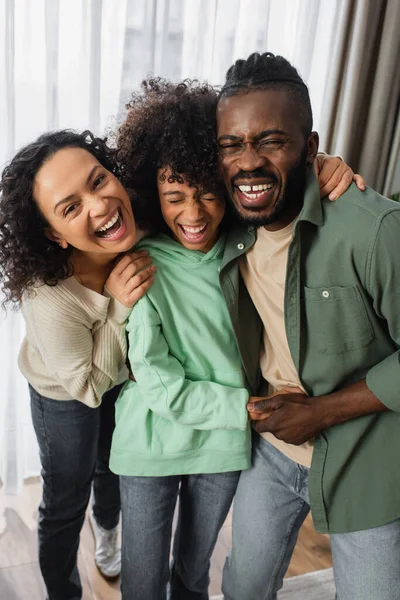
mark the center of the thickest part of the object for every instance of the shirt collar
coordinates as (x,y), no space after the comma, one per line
(312,207)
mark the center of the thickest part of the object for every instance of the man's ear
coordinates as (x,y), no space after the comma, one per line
(53,236)
(312,147)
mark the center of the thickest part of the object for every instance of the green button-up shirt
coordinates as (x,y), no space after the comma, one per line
(342,318)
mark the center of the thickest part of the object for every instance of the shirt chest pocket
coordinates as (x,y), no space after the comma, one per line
(336,319)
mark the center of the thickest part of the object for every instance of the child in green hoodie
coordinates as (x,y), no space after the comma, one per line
(182,428)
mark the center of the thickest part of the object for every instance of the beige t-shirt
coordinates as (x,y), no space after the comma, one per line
(263,269)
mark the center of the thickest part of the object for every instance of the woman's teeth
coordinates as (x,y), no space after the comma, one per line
(255,191)
(110,223)
(111,227)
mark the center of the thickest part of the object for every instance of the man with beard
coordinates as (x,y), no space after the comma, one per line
(324,279)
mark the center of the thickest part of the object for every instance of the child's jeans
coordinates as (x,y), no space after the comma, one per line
(148,505)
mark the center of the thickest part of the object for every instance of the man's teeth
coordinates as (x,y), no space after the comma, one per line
(110,223)
(253,189)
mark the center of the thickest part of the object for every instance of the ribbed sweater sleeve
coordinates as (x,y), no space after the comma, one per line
(76,343)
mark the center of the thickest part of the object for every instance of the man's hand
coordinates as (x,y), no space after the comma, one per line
(335,176)
(256,403)
(291,416)
(296,418)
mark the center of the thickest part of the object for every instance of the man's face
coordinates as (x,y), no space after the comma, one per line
(264,154)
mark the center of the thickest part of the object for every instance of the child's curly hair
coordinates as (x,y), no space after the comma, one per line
(27,256)
(168,125)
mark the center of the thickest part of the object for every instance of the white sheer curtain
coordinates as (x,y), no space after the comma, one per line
(73,63)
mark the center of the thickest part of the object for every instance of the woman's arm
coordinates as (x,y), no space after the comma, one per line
(335,176)
(81,336)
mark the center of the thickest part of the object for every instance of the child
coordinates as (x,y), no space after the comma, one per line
(182,428)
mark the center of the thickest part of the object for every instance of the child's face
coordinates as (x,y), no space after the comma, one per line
(192,216)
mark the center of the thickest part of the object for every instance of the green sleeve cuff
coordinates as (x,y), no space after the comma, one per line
(384,381)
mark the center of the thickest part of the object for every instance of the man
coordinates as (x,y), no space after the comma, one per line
(324,278)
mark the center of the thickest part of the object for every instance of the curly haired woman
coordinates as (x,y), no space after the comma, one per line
(182,428)
(64,220)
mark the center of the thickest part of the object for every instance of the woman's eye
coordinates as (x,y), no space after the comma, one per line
(70,209)
(98,181)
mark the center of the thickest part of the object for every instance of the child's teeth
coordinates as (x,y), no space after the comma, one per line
(193,229)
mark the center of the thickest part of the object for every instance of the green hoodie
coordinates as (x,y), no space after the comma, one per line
(186,412)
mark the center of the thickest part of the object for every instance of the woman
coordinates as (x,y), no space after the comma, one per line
(182,427)
(65,222)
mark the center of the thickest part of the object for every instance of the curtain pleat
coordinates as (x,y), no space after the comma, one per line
(52,58)
(392,179)
(363,117)
(385,100)
(94,63)
(7,89)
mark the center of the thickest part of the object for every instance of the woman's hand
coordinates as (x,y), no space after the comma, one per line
(335,176)
(131,277)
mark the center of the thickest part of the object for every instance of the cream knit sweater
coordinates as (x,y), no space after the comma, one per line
(75,344)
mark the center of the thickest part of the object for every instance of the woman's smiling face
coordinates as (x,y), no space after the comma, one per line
(84,204)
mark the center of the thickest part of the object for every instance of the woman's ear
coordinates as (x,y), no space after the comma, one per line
(53,236)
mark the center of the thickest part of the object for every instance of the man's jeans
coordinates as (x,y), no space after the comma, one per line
(148,505)
(74,442)
(270,506)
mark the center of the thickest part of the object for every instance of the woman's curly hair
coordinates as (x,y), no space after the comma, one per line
(27,256)
(168,125)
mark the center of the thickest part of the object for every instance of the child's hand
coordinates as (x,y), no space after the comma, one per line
(131,277)
(255,405)
(255,415)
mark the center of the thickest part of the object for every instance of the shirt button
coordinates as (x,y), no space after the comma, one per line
(240,246)
(325,294)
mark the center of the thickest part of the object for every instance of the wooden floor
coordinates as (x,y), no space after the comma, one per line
(19,571)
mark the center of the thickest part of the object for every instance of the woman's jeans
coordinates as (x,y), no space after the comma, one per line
(147,505)
(74,442)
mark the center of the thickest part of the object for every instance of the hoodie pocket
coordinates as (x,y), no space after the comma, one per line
(170,437)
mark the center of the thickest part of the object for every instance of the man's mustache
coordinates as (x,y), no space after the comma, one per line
(256,174)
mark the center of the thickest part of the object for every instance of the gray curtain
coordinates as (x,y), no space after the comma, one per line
(364,127)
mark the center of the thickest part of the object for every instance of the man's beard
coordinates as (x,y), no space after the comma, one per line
(292,198)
